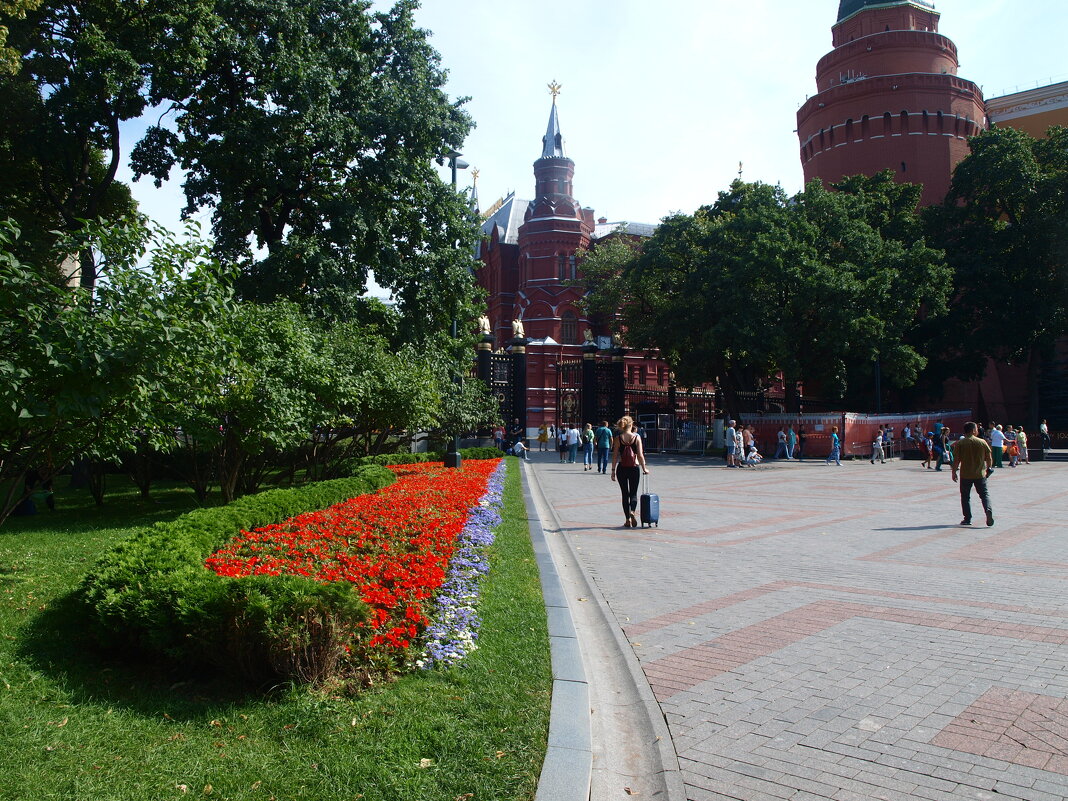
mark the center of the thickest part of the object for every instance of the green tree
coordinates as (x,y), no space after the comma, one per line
(86,67)
(816,286)
(1004,227)
(12,9)
(91,375)
(312,133)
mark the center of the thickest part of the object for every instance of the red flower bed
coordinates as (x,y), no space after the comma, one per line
(393,545)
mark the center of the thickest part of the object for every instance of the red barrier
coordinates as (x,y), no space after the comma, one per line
(856,431)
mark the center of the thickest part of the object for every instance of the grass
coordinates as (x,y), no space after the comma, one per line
(79,724)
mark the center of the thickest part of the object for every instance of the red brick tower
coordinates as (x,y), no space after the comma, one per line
(889,98)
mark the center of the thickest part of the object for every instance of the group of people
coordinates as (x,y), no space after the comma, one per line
(594,444)
(743,451)
(1007,443)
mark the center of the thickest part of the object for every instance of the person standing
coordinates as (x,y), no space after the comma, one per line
(587,447)
(498,438)
(836,448)
(1021,442)
(732,445)
(627,456)
(946,444)
(997,445)
(801,437)
(561,442)
(543,436)
(973,460)
(603,436)
(791,442)
(1047,443)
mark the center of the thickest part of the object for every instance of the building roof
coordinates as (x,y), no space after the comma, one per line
(506,218)
(847,8)
(623,226)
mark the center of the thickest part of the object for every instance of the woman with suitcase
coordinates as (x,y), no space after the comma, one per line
(627,456)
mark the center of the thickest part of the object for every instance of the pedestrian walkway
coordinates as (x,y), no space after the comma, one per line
(821,632)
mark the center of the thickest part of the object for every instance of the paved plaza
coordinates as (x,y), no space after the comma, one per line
(823,632)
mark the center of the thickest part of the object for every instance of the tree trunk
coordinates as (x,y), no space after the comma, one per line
(97,481)
(1034,369)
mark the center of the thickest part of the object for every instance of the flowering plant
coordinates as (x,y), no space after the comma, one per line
(393,546)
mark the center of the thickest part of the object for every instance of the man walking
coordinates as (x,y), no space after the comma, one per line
(974,460)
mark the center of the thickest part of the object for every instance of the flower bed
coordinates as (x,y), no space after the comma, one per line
(394,546)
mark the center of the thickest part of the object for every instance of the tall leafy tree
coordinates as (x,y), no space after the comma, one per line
(817,286)
(312,133)
(1005,228)
(84,68)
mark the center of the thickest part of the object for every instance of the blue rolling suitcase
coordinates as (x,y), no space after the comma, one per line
(650,507)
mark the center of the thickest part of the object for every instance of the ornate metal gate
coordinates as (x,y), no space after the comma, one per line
(501,384)
(569,392)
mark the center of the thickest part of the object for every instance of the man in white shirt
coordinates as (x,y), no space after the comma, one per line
(732,448)
(997,444)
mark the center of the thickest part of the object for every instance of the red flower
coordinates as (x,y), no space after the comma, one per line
(393,545)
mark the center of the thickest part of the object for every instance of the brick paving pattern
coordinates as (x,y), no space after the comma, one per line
(816,632)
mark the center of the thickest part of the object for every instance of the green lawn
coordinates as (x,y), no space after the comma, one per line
(79,724)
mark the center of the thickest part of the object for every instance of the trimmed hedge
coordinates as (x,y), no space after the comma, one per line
(417,458)
(152,591)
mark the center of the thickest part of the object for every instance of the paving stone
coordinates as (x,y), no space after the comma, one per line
(812,633)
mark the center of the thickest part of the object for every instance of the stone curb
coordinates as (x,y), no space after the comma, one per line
(567,659)
(568,767)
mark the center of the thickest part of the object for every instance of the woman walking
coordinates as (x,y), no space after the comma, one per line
(587,447)
(627,456)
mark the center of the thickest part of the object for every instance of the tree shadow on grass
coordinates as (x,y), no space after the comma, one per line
(60,643)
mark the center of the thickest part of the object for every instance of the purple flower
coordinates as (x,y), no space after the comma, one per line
(454,633)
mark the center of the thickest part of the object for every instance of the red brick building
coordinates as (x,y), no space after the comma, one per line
(529,255)
(889,97)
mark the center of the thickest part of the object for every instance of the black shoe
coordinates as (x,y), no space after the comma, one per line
(990,518)
(966,522)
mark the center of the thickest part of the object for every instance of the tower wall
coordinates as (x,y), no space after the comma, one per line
(889,98)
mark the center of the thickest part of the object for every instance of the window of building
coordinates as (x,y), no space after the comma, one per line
(569,328)
(572,267)
(561,261)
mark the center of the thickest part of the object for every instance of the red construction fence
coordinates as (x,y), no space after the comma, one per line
(856,431)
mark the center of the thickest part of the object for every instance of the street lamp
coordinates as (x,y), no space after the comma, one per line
(453,458)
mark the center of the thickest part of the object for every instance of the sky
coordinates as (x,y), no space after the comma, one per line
(661,101)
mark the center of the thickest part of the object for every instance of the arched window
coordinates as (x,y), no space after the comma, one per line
(569,328)
(849,130)
(888,124)
(561,263)
(865,132)
(904,122)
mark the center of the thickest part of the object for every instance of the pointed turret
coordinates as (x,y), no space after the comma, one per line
(552,144)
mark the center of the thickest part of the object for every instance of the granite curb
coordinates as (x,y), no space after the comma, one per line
(568,766)
(648,728)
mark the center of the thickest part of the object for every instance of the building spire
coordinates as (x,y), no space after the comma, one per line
(552,144)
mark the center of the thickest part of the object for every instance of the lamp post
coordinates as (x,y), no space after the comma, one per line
(452,457)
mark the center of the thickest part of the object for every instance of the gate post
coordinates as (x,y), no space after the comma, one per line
(485,350)
(589,384)
(519,382)
(618,389)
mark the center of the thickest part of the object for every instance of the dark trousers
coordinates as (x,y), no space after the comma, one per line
(602,459)
(966,485)
(628,478)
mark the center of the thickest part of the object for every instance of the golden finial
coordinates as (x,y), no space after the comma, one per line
(474,175)
(554,89)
